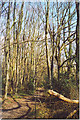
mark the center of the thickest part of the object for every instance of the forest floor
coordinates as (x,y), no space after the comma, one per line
(23,107)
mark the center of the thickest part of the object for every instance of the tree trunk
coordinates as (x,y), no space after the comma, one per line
(17,40)
(70,46)
(77,46)
(14,48)
(46,42)
(7,52)
(58,52)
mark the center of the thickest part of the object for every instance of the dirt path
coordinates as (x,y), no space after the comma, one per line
(20,107)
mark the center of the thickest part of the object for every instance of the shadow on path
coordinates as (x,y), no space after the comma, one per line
(19,106)
(12,108)
(26,112)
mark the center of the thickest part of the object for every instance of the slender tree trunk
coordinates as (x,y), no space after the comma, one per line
(22,60)
(58,52)
(17,38)
(52,60)
(70,46)
(52,56)
(7,54)
(77,46)
(65,49)
(14,48)
(46,42)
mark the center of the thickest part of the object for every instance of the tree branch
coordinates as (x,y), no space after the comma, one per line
(67,60)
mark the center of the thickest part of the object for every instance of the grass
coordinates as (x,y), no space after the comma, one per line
(17,96)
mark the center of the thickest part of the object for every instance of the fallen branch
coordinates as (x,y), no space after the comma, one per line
(71,114)
(51,92)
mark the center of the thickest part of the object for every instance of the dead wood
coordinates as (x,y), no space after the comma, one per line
(51,92)
(71,114)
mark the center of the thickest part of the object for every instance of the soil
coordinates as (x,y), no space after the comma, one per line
(23,107)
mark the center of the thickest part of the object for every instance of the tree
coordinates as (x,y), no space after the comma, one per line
(70,46)
(14,49)
(58,51)
(77,45)
(17,40)
(46,42)
(7,51)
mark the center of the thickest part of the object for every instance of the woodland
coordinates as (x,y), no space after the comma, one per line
(39,61)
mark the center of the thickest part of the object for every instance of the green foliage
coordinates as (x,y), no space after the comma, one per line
(65,85)
(17,96)
(30,85)
(45,83)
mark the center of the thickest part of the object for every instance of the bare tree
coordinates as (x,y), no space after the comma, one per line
(7,51)
(77,45)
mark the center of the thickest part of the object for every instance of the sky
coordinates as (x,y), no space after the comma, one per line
(41,0)
(26,6)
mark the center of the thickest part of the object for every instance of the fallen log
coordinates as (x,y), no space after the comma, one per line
(51,92)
